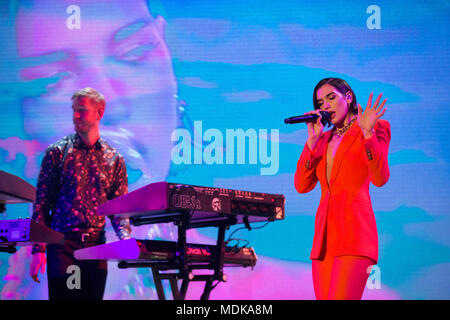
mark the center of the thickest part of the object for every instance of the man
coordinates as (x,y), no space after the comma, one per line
(123,54)
(126,59)
(78,173)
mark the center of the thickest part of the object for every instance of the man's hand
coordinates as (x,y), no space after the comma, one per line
(38,261)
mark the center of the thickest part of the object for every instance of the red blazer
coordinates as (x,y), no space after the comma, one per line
(345,216)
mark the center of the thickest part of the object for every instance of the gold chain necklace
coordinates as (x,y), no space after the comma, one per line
(341,131)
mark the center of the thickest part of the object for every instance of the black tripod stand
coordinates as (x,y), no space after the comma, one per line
(181,269)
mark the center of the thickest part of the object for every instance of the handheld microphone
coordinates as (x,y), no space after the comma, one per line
(309,118)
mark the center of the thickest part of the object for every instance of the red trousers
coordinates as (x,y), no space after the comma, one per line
(340,277)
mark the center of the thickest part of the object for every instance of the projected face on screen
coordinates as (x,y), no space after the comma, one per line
(114,47)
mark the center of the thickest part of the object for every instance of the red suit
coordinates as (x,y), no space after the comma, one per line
(345,223)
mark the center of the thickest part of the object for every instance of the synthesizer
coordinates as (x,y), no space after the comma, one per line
(141,252)
(15,190)
(21,232)
(24,232)
(165,199)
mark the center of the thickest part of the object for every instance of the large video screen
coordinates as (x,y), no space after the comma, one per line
(183,79)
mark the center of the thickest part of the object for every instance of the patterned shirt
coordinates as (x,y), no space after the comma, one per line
(75,179)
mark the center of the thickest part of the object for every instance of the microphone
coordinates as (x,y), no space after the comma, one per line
(309,118)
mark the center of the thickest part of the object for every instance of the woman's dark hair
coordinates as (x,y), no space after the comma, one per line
(342,86)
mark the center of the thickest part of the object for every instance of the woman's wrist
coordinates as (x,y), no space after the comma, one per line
(367,133)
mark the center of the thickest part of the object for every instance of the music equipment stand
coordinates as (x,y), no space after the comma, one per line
(183,223)
(9,248)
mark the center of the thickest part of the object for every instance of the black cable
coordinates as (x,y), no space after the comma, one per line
(236,248)
(253,228)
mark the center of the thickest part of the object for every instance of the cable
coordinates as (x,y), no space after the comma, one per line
(236,248)
(253,228)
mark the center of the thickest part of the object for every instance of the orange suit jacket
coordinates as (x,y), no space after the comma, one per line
(345,222)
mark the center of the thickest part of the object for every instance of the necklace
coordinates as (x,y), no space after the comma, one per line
(341,131)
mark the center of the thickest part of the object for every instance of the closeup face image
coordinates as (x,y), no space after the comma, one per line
(123,55)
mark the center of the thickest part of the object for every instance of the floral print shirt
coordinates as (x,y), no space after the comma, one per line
(74,180)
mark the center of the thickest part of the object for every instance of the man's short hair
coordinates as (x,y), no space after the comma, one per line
(93,95)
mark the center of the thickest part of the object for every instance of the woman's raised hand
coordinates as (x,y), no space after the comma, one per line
(368,118)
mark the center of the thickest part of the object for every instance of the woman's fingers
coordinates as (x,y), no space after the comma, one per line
(381,106)
(378,116)
(377,107)
(369,102)
(377,101)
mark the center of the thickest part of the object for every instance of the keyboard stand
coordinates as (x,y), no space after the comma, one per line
(183,223)
(9,248)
